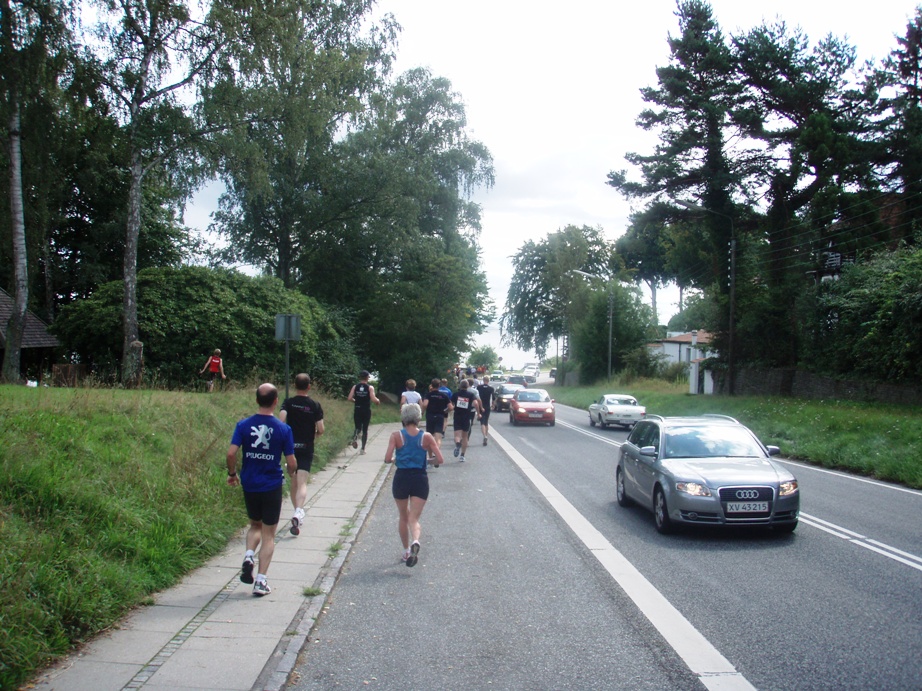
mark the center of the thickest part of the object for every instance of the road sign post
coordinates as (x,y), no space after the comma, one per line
(287,328)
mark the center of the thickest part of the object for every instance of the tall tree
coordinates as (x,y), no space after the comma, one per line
(902,125)
(30,33)
(546,296)
(151,53)
(293,93)
(692,108)
(813,125)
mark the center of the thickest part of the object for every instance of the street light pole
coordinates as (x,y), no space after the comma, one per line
(610,306)
(731,361)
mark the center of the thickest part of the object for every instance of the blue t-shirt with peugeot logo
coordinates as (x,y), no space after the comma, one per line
(264,441)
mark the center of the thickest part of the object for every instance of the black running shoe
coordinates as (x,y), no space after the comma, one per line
(295,528)
(246,573)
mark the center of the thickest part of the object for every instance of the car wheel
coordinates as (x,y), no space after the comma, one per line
(512,420)
(552,423)
(591,421)
(602,423)
(785,528)
(664,524)
(623,498)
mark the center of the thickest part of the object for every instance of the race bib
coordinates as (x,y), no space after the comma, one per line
(464,403)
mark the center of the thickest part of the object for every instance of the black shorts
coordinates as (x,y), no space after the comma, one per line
(410,482)
(462,422)
(435,424)
(485,416)
(304,457)
(264,506)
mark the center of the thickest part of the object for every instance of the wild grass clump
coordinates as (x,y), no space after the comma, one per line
(108,496)
(880,441)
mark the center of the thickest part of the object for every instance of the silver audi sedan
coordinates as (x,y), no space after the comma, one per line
(707,470)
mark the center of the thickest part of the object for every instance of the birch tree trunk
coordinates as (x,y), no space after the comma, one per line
(12,355)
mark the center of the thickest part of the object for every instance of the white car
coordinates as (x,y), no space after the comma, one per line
(531,374)
(616,409)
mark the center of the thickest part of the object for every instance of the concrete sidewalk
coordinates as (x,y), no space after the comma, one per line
(210,632)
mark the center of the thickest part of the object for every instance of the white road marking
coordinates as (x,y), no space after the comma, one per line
(702,658)
(898,555)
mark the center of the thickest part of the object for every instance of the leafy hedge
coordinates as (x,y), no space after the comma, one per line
(185,313)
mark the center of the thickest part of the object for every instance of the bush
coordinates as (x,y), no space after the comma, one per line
(185,313)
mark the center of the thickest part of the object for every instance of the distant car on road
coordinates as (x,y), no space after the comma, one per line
(553,373)
(706,470)
(516,379)
(497,375)
(531,374)
(616,409)
(503,396)
(532,405)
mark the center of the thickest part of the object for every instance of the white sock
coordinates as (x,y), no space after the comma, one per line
(250,553)
(260,577)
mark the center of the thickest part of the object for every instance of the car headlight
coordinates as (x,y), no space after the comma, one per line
(787,488)
(548,410)
(696,489)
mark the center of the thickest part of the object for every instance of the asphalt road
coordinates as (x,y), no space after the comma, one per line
(507,596)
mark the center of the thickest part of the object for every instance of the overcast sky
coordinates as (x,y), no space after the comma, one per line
(552,89)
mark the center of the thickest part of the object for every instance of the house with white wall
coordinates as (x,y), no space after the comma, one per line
(689,347)
(683,347)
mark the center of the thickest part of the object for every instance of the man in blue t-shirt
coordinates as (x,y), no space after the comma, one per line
(264,440)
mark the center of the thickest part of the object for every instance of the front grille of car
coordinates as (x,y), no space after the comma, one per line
(747,494)
(729,494)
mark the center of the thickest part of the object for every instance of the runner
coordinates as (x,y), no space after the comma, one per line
(305,417)
(486,400)
(437,406)
(411,395)
(265,441)
(411,483)
(215,366)
(464,402)
(363,394)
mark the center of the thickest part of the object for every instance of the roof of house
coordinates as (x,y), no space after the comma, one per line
(35,334)
(704,338)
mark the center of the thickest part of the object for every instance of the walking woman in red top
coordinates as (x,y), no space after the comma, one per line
(215,366)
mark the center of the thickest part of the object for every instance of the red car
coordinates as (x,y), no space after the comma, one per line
(532,405)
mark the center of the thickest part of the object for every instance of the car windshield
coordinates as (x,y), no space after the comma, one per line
(533,396)
(615,400)
(706,442)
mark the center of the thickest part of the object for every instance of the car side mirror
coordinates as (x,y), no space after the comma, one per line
(648,451)
(773,450)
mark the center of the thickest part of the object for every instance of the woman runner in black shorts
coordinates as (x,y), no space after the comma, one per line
(408,447)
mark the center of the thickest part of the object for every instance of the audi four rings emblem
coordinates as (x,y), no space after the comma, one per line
(747,494)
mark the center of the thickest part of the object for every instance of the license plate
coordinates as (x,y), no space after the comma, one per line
(747,506)
(535,415)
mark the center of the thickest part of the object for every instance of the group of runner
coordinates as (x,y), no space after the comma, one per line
(472,401)
(413,450)
(266,441)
